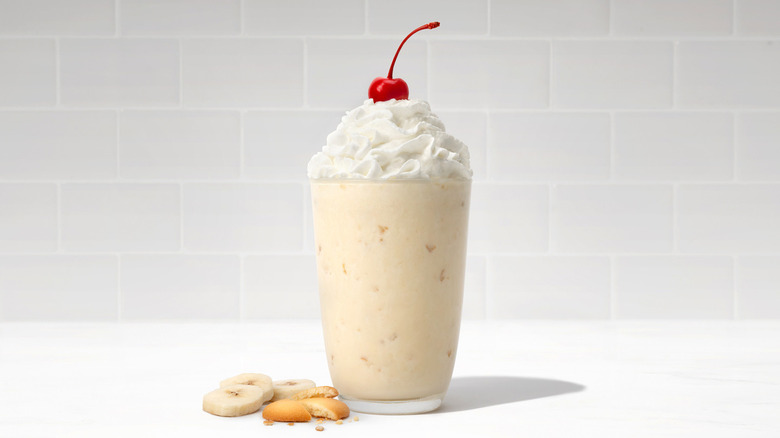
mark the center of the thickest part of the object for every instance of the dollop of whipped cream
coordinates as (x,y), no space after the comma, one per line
(394,139)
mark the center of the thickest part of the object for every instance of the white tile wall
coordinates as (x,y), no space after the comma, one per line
(664,146)
(674,287)
(179,144)
(153,154)
(119,72)
(758,287)
(28,76)
(242,72)
(508,218)
(757,17)
(179,286)
(119,217)
(180,17)
(56,17)
(611,74)
(28,218)
(280,286)
(58,287)
(672,17)
(758,154)
(491,74)
(557,287)
(399,17)
(611,218)
(552,147)
(57,145)
(304,17)
(243,217)
(554,18)
(728,74)
(729,218)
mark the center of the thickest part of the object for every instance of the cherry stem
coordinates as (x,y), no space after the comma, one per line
(431,25)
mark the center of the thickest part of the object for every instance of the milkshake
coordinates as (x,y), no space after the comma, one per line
(390,194)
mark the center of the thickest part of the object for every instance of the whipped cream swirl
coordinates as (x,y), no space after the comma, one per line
(395,139)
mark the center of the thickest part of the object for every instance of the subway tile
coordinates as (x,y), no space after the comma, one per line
(758,287)
(549,147)
(728,218)
(757,17)
(56,17)
(119,72)
(555,18)
(611,218)
(242,72)
(180,17)
(243,217)
(57,144)
(28,75)
(304,17)
(728,74)
(58,287)
(489,74)
(179,144)
(470,127)
(674,146)
(308,220)
(275,146)
(548,287)
(758,154)
(180,286)
(28,217)
(340,70)
(280,286)
(120,217)
(668,287)
(399,17)
(508,218)
(671,17)
(611,74)
(474,288)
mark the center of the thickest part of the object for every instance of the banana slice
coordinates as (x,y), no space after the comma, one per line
(234,400)
(290,387)
(255,379)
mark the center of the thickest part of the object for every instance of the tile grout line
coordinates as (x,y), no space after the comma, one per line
(550,237)
(59,217)
(735,116)
(675,45)
(119,287)
(180,48)
(57,74)
(305,73)
(365,17)
(181,218)
(117,146)
(241,147)
(241,9)
(735,292)
(241,291)
(675,219)
(612,159)
(117,31)
(733,17)
(489,19)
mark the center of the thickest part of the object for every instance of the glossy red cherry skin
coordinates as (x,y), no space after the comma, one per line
(382,89)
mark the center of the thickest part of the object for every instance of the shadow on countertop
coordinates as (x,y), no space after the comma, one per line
(475,392)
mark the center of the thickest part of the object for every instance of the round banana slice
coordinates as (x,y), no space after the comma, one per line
(290,387)
(255,379)
(234,400)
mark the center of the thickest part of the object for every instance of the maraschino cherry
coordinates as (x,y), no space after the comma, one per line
(382,89)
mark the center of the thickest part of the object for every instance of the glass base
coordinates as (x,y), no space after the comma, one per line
(394,407)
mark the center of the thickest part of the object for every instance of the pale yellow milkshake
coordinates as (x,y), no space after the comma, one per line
(390,197)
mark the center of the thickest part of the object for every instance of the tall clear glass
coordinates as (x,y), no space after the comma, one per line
(391,258)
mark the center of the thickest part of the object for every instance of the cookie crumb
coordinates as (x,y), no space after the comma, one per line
(319,428)
(320,421)
(291,424)
(339,422)
(356,419)
(268,423)
(430,248)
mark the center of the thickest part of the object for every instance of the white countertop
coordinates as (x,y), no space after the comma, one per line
(530,379)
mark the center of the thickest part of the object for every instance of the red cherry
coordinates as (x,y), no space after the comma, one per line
(382,89)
